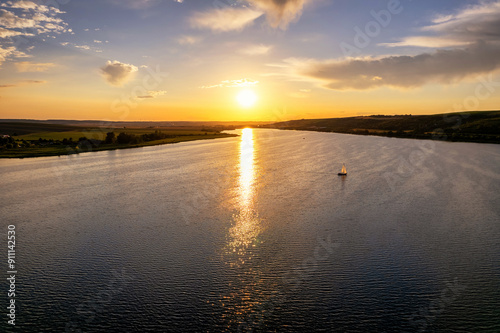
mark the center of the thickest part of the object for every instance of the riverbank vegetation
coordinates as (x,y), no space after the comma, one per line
(479,126)
(19,140)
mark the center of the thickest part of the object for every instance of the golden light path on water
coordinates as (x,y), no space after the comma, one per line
(246,222)
(245,293)
(247,169)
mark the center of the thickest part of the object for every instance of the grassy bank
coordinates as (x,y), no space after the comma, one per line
(479,126)
(78,140)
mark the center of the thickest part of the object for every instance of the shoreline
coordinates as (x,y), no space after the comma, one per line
(21,153)
(443,137)
(471,126)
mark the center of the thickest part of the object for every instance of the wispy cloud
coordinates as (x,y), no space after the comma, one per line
(442,66)
(42,19)
(188,40)
(226,19)
(136,4)
(117,73)
(153,94)
(279,14)
(255,50)
(25,18)
(23,83)
(82,47)
(467,26)
(34,81)
(5,33)
(302,93)
(10,52)
(27,5)
(233,84)
(26,66)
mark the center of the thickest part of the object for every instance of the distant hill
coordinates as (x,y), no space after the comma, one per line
(477,126)
(138,124)
(22,128)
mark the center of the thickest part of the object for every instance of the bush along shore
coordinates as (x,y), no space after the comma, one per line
(478,126)
(13,147)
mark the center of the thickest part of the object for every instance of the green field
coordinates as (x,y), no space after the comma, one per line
(29,145)
(100,133)
(68,150)
(20,128)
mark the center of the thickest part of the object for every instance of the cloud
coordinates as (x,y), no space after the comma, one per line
(39,22)
(26,18)
(22,83)
(467,26)
(233,84)
(427,41)
(27,5)
(136,4)
(5,33)
(117,73)
(256,50)
(226,19)
(10,52)
(83,47)
(188,40)
(442,66)
(302,93)
(26,66)
(12,21)
(153,94)
(280,13)
(34,82)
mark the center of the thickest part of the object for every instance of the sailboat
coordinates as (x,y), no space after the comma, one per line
(343,172)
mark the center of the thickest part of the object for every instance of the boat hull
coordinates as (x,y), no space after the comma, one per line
(342,174)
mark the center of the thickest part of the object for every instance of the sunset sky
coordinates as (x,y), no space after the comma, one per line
(190,59)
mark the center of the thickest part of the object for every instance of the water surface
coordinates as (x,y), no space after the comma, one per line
(259,233)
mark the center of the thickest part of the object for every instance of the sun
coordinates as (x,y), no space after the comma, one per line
(246,98)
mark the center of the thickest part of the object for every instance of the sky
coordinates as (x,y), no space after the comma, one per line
(235,60)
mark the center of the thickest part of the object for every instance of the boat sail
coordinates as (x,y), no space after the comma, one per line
(343,172)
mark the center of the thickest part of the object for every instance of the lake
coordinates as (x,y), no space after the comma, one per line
(258,233)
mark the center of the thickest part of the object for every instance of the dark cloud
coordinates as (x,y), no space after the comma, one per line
(467,26)
(280,13)
(442,66)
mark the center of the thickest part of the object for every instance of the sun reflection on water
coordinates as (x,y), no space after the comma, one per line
(244,292)
(246,228)
(247,169)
